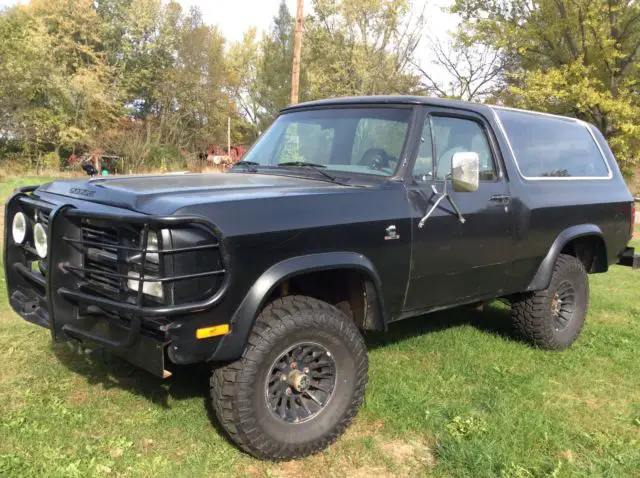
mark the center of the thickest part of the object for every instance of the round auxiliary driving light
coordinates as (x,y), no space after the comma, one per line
(19,228)
(40,240)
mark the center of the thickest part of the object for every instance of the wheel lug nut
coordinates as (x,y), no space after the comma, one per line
(306,370)
(288,392)
(283,377)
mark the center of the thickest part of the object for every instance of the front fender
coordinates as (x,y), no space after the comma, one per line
(232,345)
(542,279)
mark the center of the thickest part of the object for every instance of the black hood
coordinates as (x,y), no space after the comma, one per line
(168,193)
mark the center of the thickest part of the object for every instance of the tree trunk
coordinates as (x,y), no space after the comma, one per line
(297,50)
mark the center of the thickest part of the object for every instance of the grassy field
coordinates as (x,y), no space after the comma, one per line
(449,395)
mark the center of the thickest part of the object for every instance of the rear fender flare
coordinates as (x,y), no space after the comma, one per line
(542,279)
(232,345)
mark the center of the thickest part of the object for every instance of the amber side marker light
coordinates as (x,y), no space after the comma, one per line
(214,331)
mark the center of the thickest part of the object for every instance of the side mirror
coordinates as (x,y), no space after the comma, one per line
(465,172)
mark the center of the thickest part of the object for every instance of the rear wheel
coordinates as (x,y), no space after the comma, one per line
(553,318)
(298,384)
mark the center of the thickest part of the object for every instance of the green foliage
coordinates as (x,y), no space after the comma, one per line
(362,47)
(463,428)
(244,79)
(128,77)
(574,57)
(132,77)
(153,83)
(274,67)
(161,156)
(51,161)
(31,92)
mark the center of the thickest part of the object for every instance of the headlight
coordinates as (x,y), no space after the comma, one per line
(19,228)
(40,240)
(149,286)
(152,245)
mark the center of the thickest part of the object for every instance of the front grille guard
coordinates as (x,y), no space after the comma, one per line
(145,223)
(136,312)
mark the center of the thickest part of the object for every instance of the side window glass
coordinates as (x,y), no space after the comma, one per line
(456,135)
(547,146)
(423,168)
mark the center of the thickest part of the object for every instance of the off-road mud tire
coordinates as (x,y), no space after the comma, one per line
(238,389)
(532,313)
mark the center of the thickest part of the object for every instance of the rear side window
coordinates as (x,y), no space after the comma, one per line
(549,147)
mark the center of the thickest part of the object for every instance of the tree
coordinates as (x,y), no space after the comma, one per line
(465,71)
(575,57)
(30,87)
(297,52)
(58,84)
(148,80)
(361,47)
(274,71)
(191,104)
(243,63)
(139,38)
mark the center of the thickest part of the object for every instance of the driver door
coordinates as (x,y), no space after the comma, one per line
(454,262)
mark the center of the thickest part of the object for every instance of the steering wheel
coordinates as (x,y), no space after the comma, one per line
(375,158)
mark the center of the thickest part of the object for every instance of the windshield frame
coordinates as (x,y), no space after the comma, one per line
(397,174)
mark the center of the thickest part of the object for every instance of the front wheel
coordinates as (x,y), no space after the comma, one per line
(552,318)
(298,384)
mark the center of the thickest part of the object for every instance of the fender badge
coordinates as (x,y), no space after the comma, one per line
(391,233)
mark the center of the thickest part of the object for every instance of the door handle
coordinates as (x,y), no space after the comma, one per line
(501,198)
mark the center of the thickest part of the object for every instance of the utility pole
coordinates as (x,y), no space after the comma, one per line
(229,136)
(297,49)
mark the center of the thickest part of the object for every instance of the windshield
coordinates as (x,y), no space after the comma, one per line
(354,140)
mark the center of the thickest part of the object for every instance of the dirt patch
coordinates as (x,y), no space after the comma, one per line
(307,468)
(589,402)
(353,455)
(409,455)
(369,472)
(303,468)
(79,396)
(568,455)
(360,453)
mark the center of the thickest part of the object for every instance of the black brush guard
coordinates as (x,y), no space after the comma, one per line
(53,299)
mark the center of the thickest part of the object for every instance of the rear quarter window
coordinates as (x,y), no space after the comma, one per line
(552,147)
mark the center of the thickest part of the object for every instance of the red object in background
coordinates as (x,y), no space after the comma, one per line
(236,151)
(219,155)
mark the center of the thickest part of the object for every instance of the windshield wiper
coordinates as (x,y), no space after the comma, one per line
(315,166)
(301,163)
(251,166)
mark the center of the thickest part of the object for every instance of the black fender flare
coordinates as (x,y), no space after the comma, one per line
(232,345)
(542,278)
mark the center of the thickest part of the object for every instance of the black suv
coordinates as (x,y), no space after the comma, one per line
(346,215)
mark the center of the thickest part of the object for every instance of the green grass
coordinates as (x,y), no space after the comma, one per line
(449,395)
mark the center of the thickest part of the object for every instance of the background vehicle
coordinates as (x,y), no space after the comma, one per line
(346,215)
